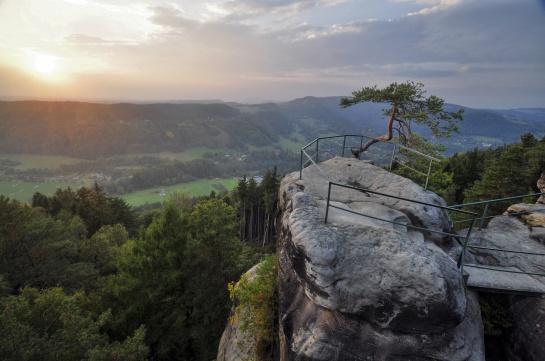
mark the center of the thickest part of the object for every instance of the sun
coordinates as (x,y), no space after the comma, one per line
(45,64)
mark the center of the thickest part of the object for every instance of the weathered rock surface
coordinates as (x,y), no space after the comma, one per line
(516,230)
(361,288)
(236,345)
(541,186)
(512,233)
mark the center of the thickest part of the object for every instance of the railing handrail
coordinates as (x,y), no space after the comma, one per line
(455,208)
(395,146)
(380,140)
(487,204)
(466,237)
(497,200)
(485,216)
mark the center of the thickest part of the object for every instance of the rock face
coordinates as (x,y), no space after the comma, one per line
(518,229)
(541,186)
(361,288)
(236,345)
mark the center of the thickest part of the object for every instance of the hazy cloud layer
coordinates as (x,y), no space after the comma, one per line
(476,52)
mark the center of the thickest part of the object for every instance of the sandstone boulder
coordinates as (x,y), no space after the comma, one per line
(366,288)
(515,230)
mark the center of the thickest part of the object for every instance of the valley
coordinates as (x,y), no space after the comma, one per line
(143,151)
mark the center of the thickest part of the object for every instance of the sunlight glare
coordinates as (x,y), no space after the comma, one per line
(45,64)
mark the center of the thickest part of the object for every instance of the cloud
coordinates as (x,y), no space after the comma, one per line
(307,47)
(425,47)
(258,7)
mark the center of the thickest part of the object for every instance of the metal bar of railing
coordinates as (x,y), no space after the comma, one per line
(382,141)
(504,270)
(485,212)
(310,159)
(393,157)
(394,197)
(456,208)
(428,176)
(461,261)
(395,146)
(404,199)
(466,237)
(389,221)
(327,205)
(317,154)
(487,204)
(301,166)
(507,250)
(496,200)
(411,168)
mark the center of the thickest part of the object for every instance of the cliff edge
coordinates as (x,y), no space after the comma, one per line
(361,288)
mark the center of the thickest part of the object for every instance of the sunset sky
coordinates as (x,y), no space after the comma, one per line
(478,53)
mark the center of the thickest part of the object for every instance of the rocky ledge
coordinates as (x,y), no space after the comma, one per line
(361,288)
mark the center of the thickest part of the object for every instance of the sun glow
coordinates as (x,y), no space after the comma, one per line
(46,67)
(45,64)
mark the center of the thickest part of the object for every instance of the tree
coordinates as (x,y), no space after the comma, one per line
(173,279)
(151,286)
(407,104)
(49,325)
(214,250)
(269,186)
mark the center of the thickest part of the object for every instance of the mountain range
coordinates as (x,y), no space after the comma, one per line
(93,130)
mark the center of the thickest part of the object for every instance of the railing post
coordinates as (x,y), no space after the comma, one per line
(393,155)
(301,166)
(485,213)
(344,145)
(464,248)
(361,146)
(317,140)
(428,176)
(327,204)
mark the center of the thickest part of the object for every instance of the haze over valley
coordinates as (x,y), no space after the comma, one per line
(130,148)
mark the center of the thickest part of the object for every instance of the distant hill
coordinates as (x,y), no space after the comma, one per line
(92,130)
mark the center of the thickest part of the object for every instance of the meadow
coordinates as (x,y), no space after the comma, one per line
(23,191)
(197,188)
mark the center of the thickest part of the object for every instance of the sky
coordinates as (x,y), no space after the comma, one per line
(476,53)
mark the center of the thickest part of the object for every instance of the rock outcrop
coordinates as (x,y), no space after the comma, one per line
(384,287)
(361,288)
(518,229)
(541,186)
(235,344)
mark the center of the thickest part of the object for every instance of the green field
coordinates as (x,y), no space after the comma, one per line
(29,161)
(197,188)
(186,155)
(23,191)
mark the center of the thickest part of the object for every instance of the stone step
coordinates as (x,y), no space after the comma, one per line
(499,280)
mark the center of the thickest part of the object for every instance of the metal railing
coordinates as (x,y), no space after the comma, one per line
(465,239)
(339,144)
(482,218)
(339,148)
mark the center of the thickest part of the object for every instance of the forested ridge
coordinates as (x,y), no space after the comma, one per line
(94,130)
(85,277)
